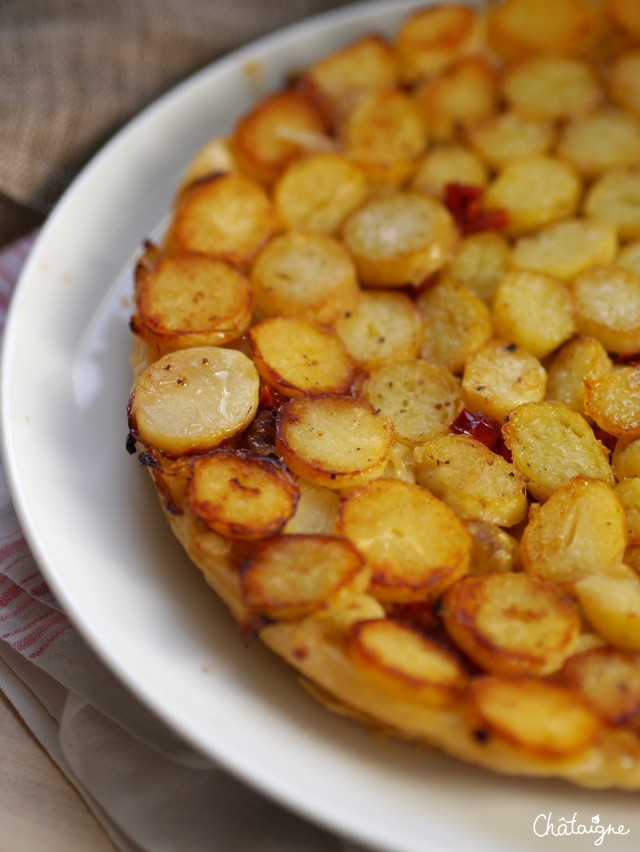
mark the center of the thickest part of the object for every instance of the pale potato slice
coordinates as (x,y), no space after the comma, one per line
(625,16)
(611,604)
(610,682)
(605,139)
(579,530)
(551,444)
(492,548)
(567,248)
(384,326)
(316,193)
(229,217)
(607,307)
(456,323)
(419,398)
(451,163)
(480,262)
(615,197)
(400,463)
(298,357)
(534,311)
(292,576)
(534,191)
(241,494)
(546,719)
(614,402)
(629,257)
(580,359)
(433,38)
(625,458)
(501,376)
(508,135)
(511,623)
(335,441)
(192,300)
(191,400)
(405,662)
(554,87)
(519,28)
(304,275)
(399,239)
(214,157)
(316,509)
(478,484)
(413,542)
(628,492)
(624,81)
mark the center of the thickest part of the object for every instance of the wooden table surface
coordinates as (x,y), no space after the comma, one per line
(39,810)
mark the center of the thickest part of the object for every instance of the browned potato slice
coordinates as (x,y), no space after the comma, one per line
(297,356)
(607,307)
(492,549)
(628,492)
(565,249)
(624,81)
(605,139)
(624,15)
(480,262)
(610,682)
(534,311)
(456,324)
(192,300)
(316,193)
(520,28)
(615,197)
(501,376)
(450,163)
(511,623)
(629,257)
(614,402)
(304,275)
(336,441)
(241,494)
(406,662)
(625,458)
(420,399)
(611,604)
(579,530)
(534,191)
(546,719)
(553,87)
(413,542)
(478,484)
(292,576)
(229,217)
(384,326)
(580,359)
(399,239)
(279,128)
(316,510)
(384,134)
(191,400)
(508,135)
(433,38)
(551,444)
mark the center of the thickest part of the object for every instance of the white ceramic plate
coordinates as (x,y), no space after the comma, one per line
(95,526)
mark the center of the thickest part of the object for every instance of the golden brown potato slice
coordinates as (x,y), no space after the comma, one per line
(511,623)
(192,300)
(228,217)
(492,548)
(279,128)
(413,542)
(480,262)
(615,197)
(610,682)
(579,530)
(297,356)
(316,193)
(405,662)
(384,326)
(624,81)
(304,275)
(534,191)
(241,494)
(551,444)
(607,307)
(628,492)
(336,441)
(452,163)
(478,484)
(420,399)
(433,38)
(553,87)
(456,323)
(292,576)
(625,458)
(501,376)
(614,402)
(399,239)
(567,248)
(191,400)
(629,257)
(625,16)
(508,135)
(611,604)
(519,28)
(534,311)
(545,719)
(580,359)
(605,139)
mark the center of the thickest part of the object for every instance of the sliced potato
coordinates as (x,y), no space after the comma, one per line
(625,16)
(400,463)
(519,28)
(610,682)
(554,87)
(624,81)
(335,441)
(580,359)
(615,197)
(316,510)
(191,400)
(628,492)
(213,158)
(629,257)
(625,458)
(607,307)
(480,262)
(605,139)
(508,135)
(611,604)
(405,662)
(492,548)
(241,494)
(292,576)
(614,402)
(478,484)
(449,163)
